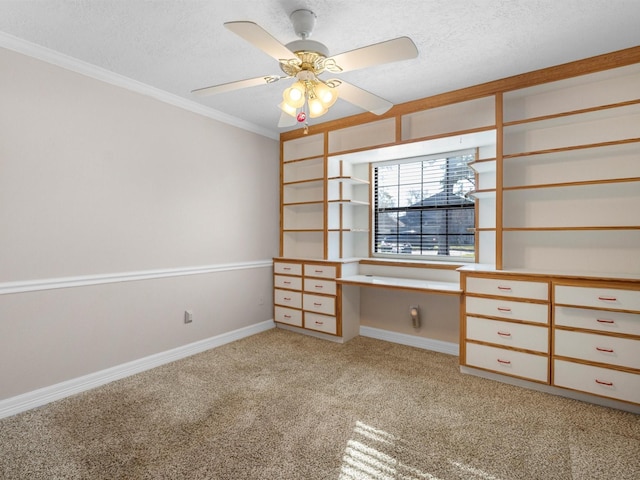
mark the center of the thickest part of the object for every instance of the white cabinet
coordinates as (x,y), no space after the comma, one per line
(306,296)
(505,325)
(597,338)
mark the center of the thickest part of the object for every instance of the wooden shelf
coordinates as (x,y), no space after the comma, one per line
(572,148)
(585,114)
(573,184)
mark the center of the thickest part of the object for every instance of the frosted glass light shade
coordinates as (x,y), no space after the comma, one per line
(294,95)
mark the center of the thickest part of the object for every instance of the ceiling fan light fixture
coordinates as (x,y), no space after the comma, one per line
(294,96)
(327,95)
(316,107)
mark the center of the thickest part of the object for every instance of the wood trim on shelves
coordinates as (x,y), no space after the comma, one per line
(570,113)
(572,147)
(574,184)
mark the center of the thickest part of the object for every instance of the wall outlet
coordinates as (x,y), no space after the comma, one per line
(188,316)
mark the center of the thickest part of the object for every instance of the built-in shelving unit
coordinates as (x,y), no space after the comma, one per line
(557,220)
(571,169)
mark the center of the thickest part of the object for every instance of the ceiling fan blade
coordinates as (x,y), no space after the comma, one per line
(286,120)
(227,87)
(401,48)
(362,98)
(260,38)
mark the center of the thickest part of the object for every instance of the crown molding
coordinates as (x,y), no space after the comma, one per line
(39,52)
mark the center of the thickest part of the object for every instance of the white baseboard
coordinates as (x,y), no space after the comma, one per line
(411,340)
(42,396)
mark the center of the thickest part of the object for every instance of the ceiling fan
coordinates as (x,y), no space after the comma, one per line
(306,60)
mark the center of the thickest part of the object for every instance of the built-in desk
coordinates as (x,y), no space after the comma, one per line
(431,286)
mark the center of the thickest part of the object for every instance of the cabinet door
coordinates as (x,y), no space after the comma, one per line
(598,297)
(288,298)
(508,288)
(319,304)
(605,382)
(321,323)
(508,362)
(319,271)
(288,316)
(509,334)
(592,347)
(509,309)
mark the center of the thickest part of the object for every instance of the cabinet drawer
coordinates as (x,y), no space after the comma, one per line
(288,315)
(528,337)
(531,312)
(321,271)
(598,297)
(320,286)
(321,323)
(508,362)
(287,268)
(628,323)
(319,304)
(597,380)
(292,283)
(287,298)
(624,352)
(508,288)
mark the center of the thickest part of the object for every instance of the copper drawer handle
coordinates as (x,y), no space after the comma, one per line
(504,362)
(319,286)
(287,283)
(506,289)
(504,309)
(504,334)
(287,299)
(607,299)
(605,350)
(319,323)
(602,320)
(287,316)
(286,268)
(608,384)
(317,304)
(319,271)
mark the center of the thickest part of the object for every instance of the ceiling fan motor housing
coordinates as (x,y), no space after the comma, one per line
(303,22)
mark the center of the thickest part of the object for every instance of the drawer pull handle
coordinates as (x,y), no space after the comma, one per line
(287,283)
(318,271)
(317,304)
(506,289)
(504,309)
(504,362)
(607,299)
(287,299)
(287,316)
(286,268)
(319,286)
(504,334)
(605,350)
(602,320)
(602,382)
(319,323)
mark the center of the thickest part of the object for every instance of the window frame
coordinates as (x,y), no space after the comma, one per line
(422,257)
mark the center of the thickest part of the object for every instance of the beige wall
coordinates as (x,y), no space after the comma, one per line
(388,309)
(95,180)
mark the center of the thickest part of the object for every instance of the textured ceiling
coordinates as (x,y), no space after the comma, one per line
(179,45)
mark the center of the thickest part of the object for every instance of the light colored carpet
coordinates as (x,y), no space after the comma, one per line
(280,405)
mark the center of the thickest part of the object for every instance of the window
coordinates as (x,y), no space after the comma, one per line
(422,207)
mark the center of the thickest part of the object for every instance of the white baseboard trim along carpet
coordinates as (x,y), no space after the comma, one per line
(42,396)
(411,340)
